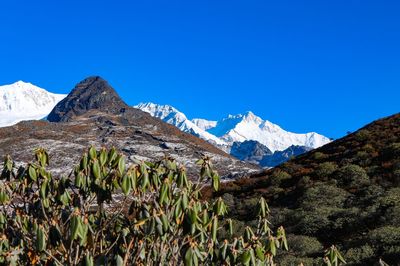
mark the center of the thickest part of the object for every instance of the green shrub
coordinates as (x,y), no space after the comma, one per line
(114,214)
(393,151)
(363,135)
(305,181)
(303,246)
(359,255)
(353,176)
(368,148)
(324,170)
(322,194)
(278,176)
(313,222)
(320,156)
(385,240)
(389,206)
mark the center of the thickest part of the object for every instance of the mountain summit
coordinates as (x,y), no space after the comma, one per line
(25,101)
(248,126)
(91,93)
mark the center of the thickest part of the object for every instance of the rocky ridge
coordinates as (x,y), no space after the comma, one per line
(94,114)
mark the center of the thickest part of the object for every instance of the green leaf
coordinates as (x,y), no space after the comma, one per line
(89,260)
(84,162)
(96,169)
(230,227)
(92,153)
(4,198)
(126,185)
(165,222)
(200,162)
(79,180)
(214,229)
(185,200)
(246,257)
(32,173)
(121,165)
(112,155)
(215,181)
(272,246)
(43,189)
(41,239)
(260,253)
(103,157)
(164,193)
(189,257)
(75,227)
(145,180)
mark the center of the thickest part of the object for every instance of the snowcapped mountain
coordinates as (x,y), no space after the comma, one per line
(247,126)
(174,117)
(236,128)
(204,124)
(23,101)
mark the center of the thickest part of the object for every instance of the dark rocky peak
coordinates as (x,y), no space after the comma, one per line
(249,150)
(282,156)
(91,93)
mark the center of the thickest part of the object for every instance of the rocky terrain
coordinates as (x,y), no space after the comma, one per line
(94,114)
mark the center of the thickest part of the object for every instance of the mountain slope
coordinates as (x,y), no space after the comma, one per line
(279,157)
(174,117)
(345,193)
(24,101)
(94,114)
(203,123)
(89,94)
(250,151)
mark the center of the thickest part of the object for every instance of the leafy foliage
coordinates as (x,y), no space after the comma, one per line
(114,214)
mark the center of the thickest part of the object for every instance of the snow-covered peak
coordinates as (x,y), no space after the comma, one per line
(235,128)
(248,126)
(203,123)
(174,117)
(24,101)
(166,113)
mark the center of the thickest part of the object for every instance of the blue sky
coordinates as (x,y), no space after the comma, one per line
(325,66)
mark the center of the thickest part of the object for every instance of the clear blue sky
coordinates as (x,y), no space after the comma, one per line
(325,66)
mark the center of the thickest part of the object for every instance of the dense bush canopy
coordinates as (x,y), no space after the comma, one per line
(114,214)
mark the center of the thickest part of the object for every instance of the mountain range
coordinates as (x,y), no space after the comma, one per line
(244,135)
(94,114)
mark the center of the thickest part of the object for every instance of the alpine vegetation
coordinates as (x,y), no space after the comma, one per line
(114,214)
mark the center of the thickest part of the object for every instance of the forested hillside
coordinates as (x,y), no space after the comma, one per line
(346,192)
